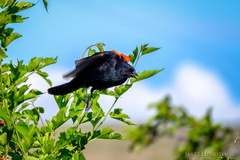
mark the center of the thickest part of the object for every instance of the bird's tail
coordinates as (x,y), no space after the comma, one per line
(63,89)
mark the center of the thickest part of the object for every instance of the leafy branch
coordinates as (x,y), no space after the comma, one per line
(202,134)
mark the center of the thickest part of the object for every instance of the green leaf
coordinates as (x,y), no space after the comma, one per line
(4,3)
(3,138)
(45,2)
(19,6)
(15,19)
(118,115)
(2,54)
(149,50)
(97,116)
(7,117)
(91,52)
(33,64)
(86,117)
(47,61)
(145,74)
(108,92)
(100,47)
(135,52)
(26,131)
(62,100)
(132,58)
(60,118)
(79,157)
(122,89)
(30,158)
(32,94)
(44,75)
(143,47)
(24,105)
(134,55)
(107,133)
(8,39)
(37,63)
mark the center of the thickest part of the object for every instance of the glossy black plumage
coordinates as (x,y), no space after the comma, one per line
(100,71)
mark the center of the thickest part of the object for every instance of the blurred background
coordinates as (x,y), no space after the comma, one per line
(199,40)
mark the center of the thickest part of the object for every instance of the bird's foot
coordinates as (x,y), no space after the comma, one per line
(88,105)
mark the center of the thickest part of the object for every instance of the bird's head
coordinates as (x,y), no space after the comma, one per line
(122,56)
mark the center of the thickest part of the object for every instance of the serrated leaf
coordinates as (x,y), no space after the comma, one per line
(62,100)
(8,39)
(7,31)
(149,50)
(119,90)
(37,63)
(108,92)
(33,64)
(60,117)
(118,115)
(107,133)
(145,74)
(19,6)
(95,105)
(44,75)
(73,130)
(47,61)
(32,94)
(97,116)
(15,19)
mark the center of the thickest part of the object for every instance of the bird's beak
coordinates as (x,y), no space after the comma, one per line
(134,75)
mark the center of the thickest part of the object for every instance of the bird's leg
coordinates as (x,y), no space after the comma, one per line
(86,100)
(89,102)
(92,89)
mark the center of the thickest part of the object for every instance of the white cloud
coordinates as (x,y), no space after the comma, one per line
(193,87)
(197,89)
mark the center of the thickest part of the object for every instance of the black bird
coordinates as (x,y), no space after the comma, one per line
(100,71)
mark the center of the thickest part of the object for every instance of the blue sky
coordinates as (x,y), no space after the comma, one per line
(204,35)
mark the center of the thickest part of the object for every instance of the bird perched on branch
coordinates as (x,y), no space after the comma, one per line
(100,71)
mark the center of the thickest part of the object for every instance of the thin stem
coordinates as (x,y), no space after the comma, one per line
(20,143)
(137,59)
(39,115)
(109,111)
(82,116)
(84,110)
(233,146)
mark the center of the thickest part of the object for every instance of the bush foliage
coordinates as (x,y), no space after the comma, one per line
(21,136)
(24,135)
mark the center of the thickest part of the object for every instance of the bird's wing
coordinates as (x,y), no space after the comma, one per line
(89,63)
